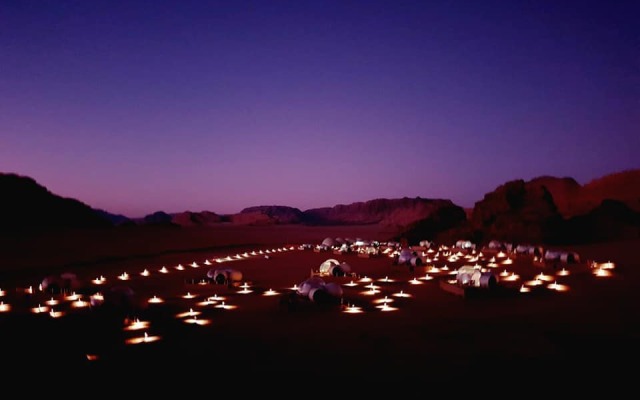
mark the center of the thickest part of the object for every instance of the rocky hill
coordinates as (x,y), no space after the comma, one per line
(545,209)
(25,204)
(555,211)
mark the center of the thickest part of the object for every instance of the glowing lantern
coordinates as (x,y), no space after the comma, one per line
(194,265)
(601,272)
(145,272)
(55,314)
(402,294)
(415,281)
(188,296)
(79,303)
(124,276)
(179,267)
(197,321)
(352,283)
(386,307)
(563,272)
(163,270)
(99,280)
(225,306)
(155,299)
(142,339)
(2,292)
(136,325)
(40,309)
(51,302)
(351,309)
(4,307)
(72,297)
(189,313)
(270,292)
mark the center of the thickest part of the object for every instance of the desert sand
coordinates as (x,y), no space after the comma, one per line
(241,337)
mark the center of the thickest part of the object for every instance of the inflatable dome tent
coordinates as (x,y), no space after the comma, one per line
(225,276)
(333,267)
(319,291)
(472,276)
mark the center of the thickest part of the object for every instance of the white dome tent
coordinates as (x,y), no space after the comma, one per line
(334,267)
(473,276)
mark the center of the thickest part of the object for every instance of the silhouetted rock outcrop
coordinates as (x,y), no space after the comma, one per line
(158,218)
(572,199)
(611,220)
(25,204)
(115,219)
(276,214)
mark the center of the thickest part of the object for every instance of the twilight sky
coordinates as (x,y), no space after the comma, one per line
(140,106)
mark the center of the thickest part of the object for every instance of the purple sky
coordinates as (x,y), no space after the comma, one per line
(140,106)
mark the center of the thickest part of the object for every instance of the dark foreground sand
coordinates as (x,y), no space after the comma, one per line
(581,338)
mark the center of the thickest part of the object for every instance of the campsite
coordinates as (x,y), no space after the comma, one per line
(391,321)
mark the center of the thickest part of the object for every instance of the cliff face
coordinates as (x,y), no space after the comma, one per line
(27,205)
(393,212)
(557,210)
(572,199)
(275,214)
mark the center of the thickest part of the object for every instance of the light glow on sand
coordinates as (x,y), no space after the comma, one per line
(180,267)
(351,309)
(142,339)
(562,272)
(351,284)
(79,303)
(402,294)
(124,276)
(40,309)
(55,314)
(145,272)
(51,302)
(225,306)
(557,287)
(385,307)
(543,277)
(270,292)
(385,279)
(72,297)
(524,289)
(99,280)
(2,293)
(4,307)
(415,281)
(155,300)
(136,325)
(163,270)
(197,321)
(381,302)
(602,273)
(189,313)
(188,296)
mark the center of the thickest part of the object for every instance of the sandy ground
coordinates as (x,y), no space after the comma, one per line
(577,337)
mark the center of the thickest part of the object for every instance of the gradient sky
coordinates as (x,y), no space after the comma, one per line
(140,106)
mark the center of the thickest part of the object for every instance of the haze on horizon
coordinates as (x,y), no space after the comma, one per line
(140,106)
